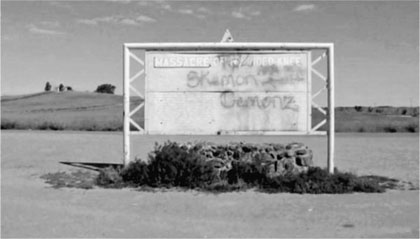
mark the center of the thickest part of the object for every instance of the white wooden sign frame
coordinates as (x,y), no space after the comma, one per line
(130,58)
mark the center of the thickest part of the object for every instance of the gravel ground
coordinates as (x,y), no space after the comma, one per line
(31,208)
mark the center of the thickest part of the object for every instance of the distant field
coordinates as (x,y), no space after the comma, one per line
(65,111)
(103,112)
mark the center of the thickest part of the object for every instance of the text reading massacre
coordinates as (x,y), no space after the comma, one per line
(231,61)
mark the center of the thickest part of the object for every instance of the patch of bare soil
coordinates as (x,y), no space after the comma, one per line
(32,208)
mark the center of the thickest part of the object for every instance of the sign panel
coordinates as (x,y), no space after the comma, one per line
(216,92)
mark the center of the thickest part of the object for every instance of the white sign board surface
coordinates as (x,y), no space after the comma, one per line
(213,92)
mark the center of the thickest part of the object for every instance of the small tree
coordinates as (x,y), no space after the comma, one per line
(47,86)
(61,87)
(358,108)
(105,88)
(69,88)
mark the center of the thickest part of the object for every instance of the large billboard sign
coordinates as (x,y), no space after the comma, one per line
(227,87)
(222,92)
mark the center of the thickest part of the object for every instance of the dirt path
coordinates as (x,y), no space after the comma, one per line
(30,208)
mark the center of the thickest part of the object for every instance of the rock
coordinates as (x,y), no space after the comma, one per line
(281,155)
(276,159)
(301,151)
(266,157)
(271,169)
(295,146)
(278,147)
(305,159)
(290,153)
(247,157)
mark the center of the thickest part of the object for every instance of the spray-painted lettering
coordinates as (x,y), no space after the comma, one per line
(203,79)
(264,77)
(229,100)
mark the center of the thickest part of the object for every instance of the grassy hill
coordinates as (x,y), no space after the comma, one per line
(103,112)
(65,111)
(349,120)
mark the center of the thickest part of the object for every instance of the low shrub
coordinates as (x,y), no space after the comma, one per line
(5,124)
(412,128)
(318,180)
(390,129)
(50,126)
(136,173)
(170,165)
(110,177)
(187,166)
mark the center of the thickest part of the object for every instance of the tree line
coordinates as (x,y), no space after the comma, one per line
(103,88)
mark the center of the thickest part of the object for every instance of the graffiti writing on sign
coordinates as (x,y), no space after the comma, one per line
(233,62)
(202,79)
(230,100)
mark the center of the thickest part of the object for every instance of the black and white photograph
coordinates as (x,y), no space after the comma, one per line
(209,119)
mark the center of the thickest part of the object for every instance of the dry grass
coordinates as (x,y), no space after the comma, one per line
(103,112)
(349,121)
(65,111)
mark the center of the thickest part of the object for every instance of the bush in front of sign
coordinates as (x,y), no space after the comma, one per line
(170,165)
(233,167)
(318,180)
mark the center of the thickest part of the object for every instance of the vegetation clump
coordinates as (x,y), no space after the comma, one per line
(189,166)
(105,88)
(47,86)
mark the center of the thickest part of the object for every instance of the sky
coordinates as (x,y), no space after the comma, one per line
(79,43)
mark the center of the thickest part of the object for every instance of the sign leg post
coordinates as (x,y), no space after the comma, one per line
(126,112)
(331,111)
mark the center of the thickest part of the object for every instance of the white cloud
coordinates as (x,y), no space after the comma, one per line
(191,12)
(127,21)
(62,5)
(120,1)
(160,4)
(237,14)
(50,23)
(186,11)
(203,10)
(110,19)
(245,13)
(304,8)
(88,21)
(143,18)
(117,19)
(166,6)
(36,30)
